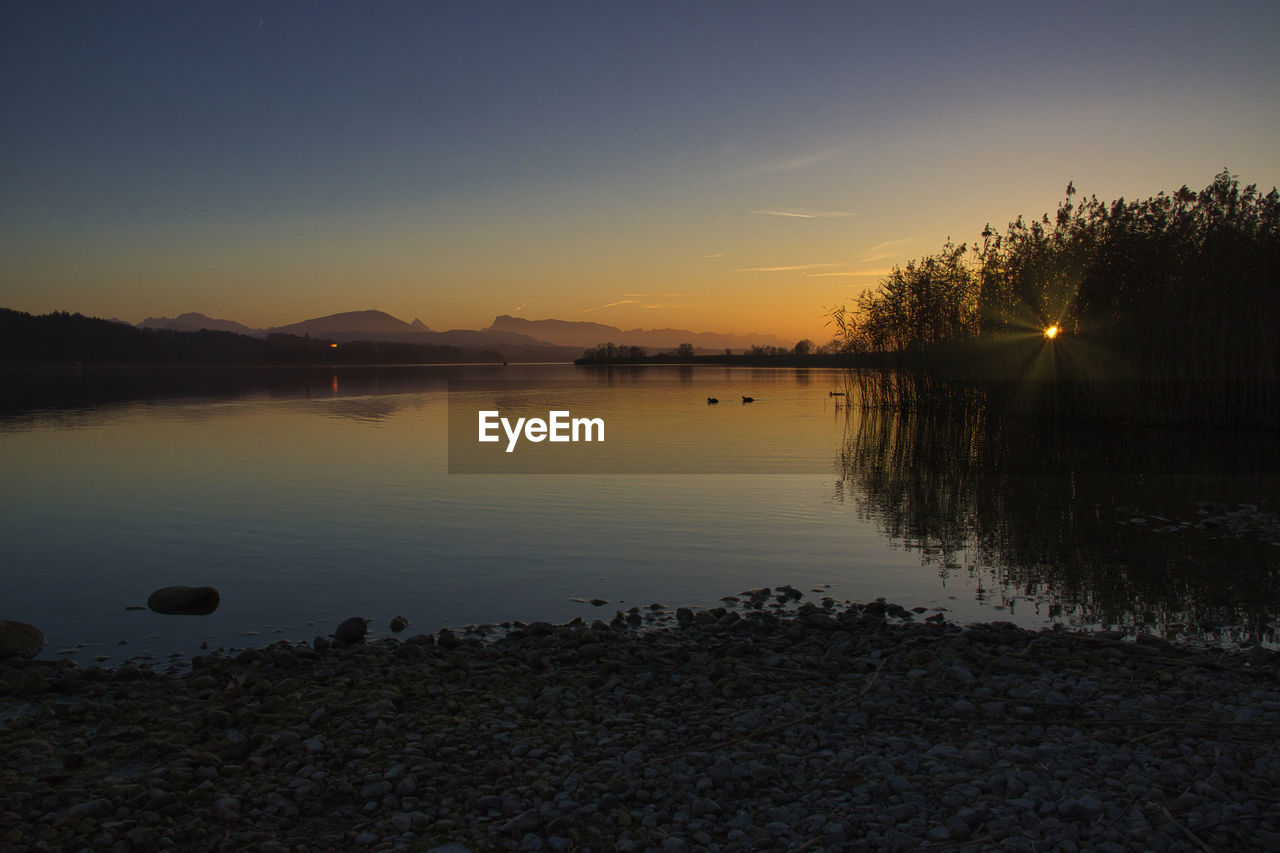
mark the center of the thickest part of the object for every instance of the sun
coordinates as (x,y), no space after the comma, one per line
(1051,332)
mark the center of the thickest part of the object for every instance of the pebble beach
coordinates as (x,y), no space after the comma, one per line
(833,726)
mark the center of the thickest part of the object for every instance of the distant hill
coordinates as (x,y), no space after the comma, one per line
(350,322)
(193,322)
(72,339)
(514,338)
(585,334)
(63,339)
(345,325)
(512,346)
(383,328)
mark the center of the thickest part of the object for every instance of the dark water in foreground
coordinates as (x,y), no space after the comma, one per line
(310,496)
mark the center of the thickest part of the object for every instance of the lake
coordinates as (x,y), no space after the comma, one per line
(308,496)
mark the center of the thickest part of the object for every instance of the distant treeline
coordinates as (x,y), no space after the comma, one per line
(61,339)
(803,354)
(1165,310)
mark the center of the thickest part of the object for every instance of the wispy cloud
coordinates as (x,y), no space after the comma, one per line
(520,307)
(793,268)
(804,213)
(714,255)
(794,162)
(643,300)
(851,274)
(887,249)
(611,305)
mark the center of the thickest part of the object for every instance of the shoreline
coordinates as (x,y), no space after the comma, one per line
(820,729)
(173,657)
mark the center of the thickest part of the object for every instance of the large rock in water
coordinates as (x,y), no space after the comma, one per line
(184,600)
(19,640)
(351,631)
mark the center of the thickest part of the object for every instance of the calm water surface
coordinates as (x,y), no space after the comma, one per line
(306,497)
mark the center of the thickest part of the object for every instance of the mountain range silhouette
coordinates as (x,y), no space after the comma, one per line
(505,330)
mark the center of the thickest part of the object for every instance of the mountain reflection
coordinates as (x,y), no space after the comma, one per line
(1038,513)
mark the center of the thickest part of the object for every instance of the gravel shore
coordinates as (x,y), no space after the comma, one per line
(742,728)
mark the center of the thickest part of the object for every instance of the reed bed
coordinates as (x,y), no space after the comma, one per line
(1163,310)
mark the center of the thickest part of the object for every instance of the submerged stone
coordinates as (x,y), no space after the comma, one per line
(184,600)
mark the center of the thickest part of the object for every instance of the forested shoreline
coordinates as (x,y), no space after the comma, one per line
(62,339)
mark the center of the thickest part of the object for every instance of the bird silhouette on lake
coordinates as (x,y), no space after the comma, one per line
(711,400)
(748,399)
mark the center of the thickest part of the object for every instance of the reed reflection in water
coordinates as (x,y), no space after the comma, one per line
(1038,512)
